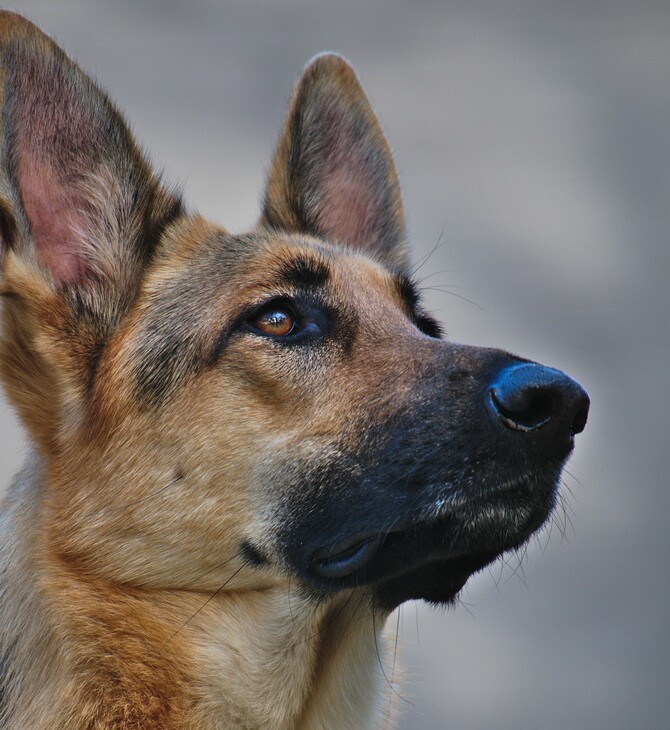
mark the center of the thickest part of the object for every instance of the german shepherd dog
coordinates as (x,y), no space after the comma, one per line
(246,450)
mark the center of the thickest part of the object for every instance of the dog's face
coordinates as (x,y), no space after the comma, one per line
(224,412)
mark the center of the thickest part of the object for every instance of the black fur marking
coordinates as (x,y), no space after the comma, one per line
(304,273)
(409,293)
(429,326)
(154,226)
(163,365)
(172,344)
(407,483)
(94,361)
(222,342)
(7,229)
(252,556)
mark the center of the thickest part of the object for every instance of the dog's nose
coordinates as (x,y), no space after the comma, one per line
(529,397)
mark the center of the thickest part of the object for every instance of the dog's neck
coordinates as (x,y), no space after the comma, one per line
(254,659)
(310,667)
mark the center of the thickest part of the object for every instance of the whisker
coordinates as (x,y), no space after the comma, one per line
(107,507)
(466,605)
(518,571)
(437,273)
(332,620)
(424,259)
(444,290)
(573,477)
(395,654)
(219,566)
(211,598)
(418,635)
(379,658)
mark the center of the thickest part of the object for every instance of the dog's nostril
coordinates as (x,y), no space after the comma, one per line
(579,421)
(528,397)
(526,410)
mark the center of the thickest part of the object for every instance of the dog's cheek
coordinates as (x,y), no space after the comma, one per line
(296,483)
(223,438)
(175,508)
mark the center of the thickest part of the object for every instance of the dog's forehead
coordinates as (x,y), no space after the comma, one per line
(276,260)
(205,262)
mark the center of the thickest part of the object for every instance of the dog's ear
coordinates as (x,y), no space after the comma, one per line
(78,196)
(333,175)
(80,213)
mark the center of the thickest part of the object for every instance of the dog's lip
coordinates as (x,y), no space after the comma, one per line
(350,554)
(346,556)
(359,551)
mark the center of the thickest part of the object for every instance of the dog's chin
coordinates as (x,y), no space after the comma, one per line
(432,556)
(438,583)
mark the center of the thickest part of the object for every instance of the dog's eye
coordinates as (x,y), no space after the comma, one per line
(288,322)
(276,322)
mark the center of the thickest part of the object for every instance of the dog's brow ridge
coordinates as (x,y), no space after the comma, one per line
(407,290)
(304,272)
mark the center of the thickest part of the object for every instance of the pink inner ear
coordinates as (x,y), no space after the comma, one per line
(348,211)
(59,136)
(349,214)
(55,221)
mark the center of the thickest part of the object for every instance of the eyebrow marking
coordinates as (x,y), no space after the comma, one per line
(409,293)
(304,273)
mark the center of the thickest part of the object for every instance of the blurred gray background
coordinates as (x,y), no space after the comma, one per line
(533,141)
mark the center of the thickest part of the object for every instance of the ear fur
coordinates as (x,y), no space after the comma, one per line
(81,214)
(73,177)
(333,175)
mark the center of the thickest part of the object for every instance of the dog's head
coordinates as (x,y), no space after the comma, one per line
(217,412)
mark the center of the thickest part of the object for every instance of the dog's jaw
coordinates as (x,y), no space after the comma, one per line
(432,557)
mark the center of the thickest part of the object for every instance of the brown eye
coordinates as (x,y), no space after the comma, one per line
(275,322)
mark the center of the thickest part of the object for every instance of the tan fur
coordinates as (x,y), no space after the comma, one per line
(162,552)
(124,598)
(125,603)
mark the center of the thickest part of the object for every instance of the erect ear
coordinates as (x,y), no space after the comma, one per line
(80,211)
(333,175)
(79,200)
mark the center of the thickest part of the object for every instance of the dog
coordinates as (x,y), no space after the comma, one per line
(245,450)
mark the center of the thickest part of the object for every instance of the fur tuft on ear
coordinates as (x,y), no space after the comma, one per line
(333,175)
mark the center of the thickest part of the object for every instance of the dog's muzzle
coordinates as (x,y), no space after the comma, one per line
(451,486)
